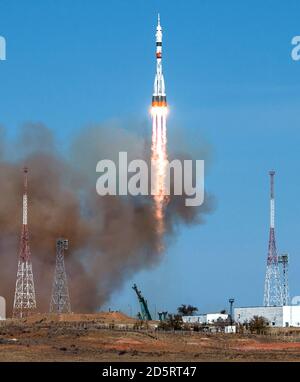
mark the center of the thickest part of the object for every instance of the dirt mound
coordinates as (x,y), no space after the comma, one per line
(104,317)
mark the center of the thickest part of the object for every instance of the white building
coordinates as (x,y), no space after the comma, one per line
(231,329)
(277,316)
(208,318)
(2,308)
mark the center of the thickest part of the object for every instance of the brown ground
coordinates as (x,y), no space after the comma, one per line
(110,337)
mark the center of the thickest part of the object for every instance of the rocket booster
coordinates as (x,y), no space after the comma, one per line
(159,94)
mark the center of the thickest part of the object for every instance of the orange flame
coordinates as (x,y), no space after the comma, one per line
(159,160)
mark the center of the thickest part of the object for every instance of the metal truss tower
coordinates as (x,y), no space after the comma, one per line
(273,292)
(284,261)
(60,299)
(24,301)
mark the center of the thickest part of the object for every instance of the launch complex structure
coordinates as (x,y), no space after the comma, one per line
(276,292)
(25,300)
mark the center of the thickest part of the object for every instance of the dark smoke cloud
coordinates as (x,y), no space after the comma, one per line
(110,237)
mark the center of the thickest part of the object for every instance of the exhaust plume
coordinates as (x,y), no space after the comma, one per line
(111,237)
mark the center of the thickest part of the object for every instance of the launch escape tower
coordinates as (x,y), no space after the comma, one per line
(145,314)
(284,261)
(273,292)
(60,299)
(24,300)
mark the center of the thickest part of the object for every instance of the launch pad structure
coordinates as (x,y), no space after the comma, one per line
(24,300)
(144,314)
(276,288)
(60,298)
(273,290)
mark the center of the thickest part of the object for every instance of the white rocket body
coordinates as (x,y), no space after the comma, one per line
(159,93)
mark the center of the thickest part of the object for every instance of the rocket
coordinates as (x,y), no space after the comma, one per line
(159,98)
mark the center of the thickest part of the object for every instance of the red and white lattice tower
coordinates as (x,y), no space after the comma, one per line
(273,290)
(24,301)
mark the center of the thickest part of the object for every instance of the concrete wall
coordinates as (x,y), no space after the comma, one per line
(2,308)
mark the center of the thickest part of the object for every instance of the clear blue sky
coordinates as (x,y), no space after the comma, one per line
(230,81)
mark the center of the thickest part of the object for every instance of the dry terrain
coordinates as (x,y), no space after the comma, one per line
(113,337)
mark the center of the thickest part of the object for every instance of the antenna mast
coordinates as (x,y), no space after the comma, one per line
(272,293)
(24,300)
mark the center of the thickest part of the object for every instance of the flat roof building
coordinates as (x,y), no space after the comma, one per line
(208,318)
(277,316)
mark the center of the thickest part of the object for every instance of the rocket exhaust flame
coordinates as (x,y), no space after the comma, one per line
(159,161)
(159,154)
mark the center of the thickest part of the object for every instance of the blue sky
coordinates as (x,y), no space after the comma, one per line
(230,82)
